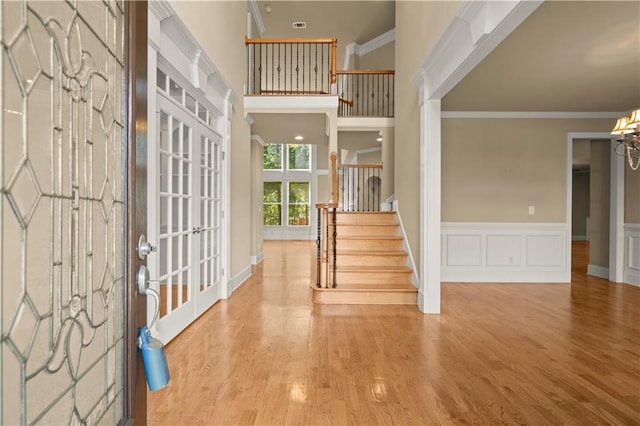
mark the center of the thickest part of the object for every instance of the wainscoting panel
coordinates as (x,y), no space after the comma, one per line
(631,273)
(505,252)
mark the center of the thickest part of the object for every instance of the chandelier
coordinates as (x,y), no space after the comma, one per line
(628,129)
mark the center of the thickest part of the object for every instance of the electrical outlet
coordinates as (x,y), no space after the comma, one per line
(532,210)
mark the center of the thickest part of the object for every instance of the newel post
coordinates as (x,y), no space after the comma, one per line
(334,55)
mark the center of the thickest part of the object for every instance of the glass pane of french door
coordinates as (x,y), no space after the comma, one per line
(175,216)
(210,220)
(61,212)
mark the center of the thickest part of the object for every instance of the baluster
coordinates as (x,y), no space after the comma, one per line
(318,253)
(335,242)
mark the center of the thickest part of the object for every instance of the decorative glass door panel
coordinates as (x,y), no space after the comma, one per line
(61,212)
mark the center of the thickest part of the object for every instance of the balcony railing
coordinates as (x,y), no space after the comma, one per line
(301,66)
(291,66)
(366,93)
(360,186)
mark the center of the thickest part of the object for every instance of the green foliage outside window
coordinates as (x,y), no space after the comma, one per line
(272,203)
(272,156)
(298,203)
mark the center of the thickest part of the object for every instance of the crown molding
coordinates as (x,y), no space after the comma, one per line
(254,10)
(476,29)
(258,139)
(367,47)
(529,114)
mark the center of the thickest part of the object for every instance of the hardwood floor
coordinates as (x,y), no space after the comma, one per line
(499,354)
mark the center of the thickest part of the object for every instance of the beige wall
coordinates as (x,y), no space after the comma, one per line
(257,162)
(221,35)
(505,167)
(383,58)
(599,203)
(580,203)
(418,27)
(370,158)
(631,195)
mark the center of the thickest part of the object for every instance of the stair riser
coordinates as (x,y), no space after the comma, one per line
(371,260)
(372,277)
(348,244)
(368,230)
(365,298)
(364,218)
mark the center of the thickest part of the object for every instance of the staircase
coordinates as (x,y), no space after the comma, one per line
(371,264)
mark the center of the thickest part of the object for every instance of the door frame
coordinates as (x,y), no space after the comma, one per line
(135,169)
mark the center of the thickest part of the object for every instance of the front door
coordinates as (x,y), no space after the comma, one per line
(68,211)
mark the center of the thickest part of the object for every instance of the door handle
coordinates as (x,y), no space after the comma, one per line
(142,281)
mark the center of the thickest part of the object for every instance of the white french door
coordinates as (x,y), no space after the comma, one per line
(187,225)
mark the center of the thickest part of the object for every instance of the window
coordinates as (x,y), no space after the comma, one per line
(298,203)
(272,203)
(298,157)
(272,156)
(287,190)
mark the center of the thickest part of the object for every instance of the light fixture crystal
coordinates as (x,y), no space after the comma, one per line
(628,130)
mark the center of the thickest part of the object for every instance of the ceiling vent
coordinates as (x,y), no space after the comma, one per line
(299,25)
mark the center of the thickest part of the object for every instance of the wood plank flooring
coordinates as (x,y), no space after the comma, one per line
(499,354)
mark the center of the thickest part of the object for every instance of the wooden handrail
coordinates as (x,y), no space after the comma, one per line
(334,177)
(334,61)
(358,72)
(248,40)
(361,166)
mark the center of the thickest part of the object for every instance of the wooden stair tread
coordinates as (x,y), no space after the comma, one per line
(370,237)
(371,287)
(373,269)
(372,252)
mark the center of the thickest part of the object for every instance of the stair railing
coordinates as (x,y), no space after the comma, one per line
(326,241)
(291,66)
(366,93)
(360,186)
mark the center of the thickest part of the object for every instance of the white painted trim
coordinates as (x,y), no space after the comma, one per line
(476,29)
(322,172)
(360,124)
(367,47)
(616,216)
(291,104)
(238,279)
(258,139)
(504,252)
(254,10)
(377,42)
(249,119)
(257,258)
(631,273)
(405,246)
(430,202)
(616,202)
(530,114)
(598,271)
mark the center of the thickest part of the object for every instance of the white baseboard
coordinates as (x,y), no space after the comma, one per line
(238,279)
(598,271)
(580,238)
(631,268)
(257,258)
(505,252)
